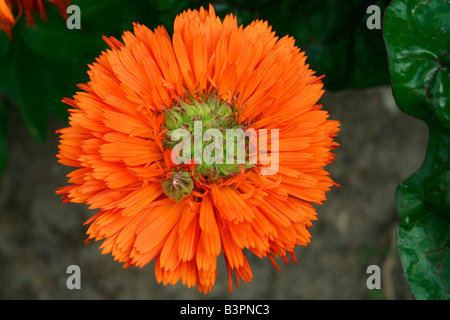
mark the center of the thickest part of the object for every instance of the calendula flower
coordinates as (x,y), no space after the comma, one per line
(12,10)
(156,111)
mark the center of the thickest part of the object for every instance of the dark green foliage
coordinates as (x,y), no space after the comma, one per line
(417,38)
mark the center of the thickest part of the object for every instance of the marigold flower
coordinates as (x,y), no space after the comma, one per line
(223,76)
(12,10)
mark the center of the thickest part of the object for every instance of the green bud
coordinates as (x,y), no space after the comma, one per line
(178,185)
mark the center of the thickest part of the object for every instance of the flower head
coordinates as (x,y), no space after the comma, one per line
(212,77)
(12,10)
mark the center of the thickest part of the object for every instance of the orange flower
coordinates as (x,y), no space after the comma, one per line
(9,7)
(184,215)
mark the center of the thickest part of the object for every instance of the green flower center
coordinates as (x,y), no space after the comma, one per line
(209,134)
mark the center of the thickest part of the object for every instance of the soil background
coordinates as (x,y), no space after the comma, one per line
(356,227)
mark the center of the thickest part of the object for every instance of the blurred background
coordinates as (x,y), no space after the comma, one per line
(380,147)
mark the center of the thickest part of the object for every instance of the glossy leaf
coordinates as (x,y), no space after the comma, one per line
(418,42)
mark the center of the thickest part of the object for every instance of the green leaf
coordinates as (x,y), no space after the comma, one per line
(415,46)
(436,191)
(38,88)
(418,42)
(423,236)
(40,83)
(7,76)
